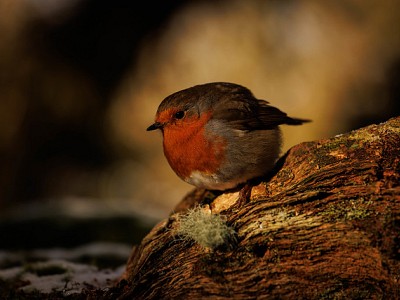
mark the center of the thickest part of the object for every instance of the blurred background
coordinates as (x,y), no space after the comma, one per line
(80,80)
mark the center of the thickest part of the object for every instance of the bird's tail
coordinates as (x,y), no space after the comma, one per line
(295,121)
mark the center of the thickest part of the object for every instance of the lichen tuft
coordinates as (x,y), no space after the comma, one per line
(207,229)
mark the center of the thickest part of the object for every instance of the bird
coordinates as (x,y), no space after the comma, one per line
(219,136)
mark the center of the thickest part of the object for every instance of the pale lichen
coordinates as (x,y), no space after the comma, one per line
(206,229)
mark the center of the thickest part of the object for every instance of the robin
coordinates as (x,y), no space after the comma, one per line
(218,136)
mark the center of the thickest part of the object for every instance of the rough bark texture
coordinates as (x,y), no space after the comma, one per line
(325,225)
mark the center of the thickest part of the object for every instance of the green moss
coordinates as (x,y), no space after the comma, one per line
(353,209)
(355,146)
(364,136)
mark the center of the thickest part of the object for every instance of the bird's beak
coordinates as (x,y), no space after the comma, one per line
(156,125)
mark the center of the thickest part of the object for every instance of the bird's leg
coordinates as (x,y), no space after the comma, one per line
(244,194)
(209,196)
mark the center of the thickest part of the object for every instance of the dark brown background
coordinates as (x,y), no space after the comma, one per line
(79,84)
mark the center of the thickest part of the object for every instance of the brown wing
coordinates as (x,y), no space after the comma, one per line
(253,114)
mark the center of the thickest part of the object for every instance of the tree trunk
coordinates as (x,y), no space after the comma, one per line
(324,225)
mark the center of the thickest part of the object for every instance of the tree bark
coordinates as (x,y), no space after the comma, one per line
(324,225)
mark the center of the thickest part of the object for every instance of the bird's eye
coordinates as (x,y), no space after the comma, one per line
(179,114)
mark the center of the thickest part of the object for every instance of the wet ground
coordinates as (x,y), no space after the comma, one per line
(53,249)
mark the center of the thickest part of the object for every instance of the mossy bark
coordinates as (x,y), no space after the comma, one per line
(325,225)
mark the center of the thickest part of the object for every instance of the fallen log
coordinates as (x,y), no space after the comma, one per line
(324,225)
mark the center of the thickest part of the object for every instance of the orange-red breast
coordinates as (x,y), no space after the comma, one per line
(218,135)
